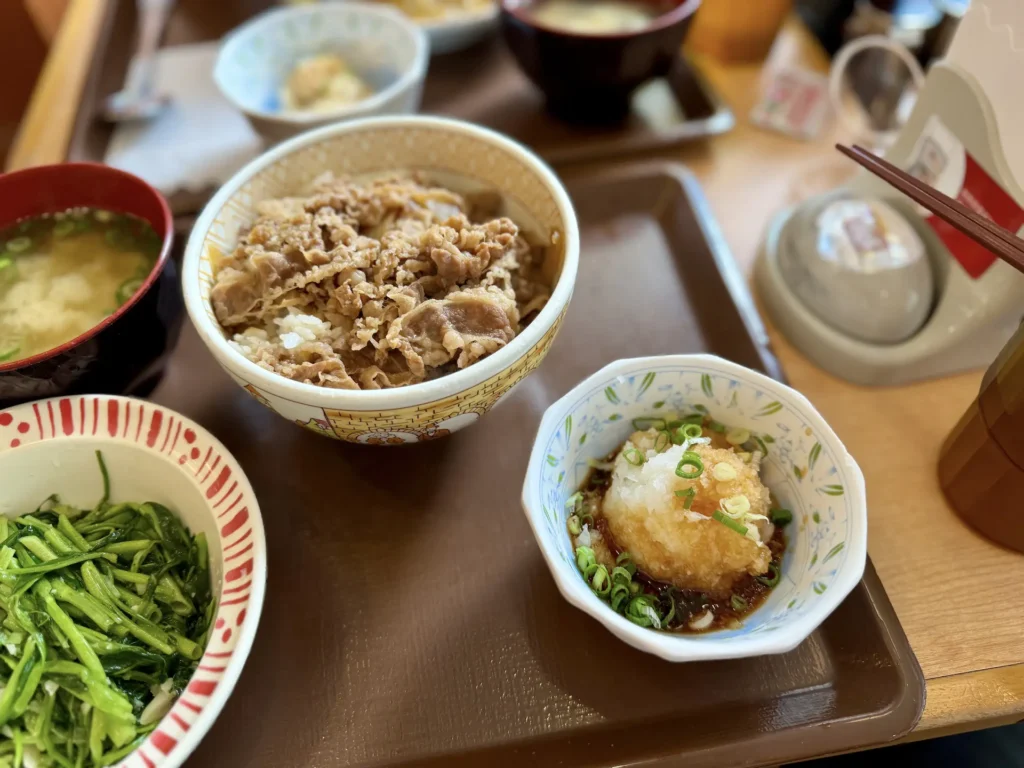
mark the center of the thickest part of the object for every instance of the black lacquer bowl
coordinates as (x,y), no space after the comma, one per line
(126,352)
(590,78)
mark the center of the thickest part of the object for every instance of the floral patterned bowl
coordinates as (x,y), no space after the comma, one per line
(466,158)
(152,453)
(806,466)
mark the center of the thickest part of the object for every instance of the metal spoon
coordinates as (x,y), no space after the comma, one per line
(137,101)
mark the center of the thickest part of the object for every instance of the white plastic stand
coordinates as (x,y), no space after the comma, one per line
(972,319)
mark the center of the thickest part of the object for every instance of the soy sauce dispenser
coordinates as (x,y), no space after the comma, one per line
(981,465)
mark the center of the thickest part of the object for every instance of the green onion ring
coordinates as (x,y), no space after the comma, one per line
(728,522)
(634,587)
(633,456)
(574,501)
(19,244)
(597,577)
(780,517)
(717,426)
(626,561)
(575,527)
(639,609)
(671,611)
(690,459)
(584,558)
(689,494)
(587,519)
(662,441)
(650,421)
(692,431)
(738,603)
(694,418)
(620,574)
(773,577)
(619,594)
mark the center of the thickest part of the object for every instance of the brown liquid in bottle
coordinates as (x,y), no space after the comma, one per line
(981,465)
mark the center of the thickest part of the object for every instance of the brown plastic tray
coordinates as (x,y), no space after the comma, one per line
(410,619)
(482,84)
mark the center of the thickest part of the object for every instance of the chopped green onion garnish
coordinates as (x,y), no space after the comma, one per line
(728,522)
(6,262)
(19,244)
(8,353)
(736,506)
(689,494)
(716,426)
(780,517)
(633,456)
(584,558)
(694,418)
(575,527)
(773,576)
(620,574)
(674,424)
(690,466)
(691,431)
(587,519)
(598,579)
(662,441)
(737,436)
(126,290)
(619,594)
(649,421)
(625,561)
(634,587)
(63,228)
(641,611)
(573,502)
(671,608)
(738,603)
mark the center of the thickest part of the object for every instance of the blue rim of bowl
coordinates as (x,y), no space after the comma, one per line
(416,72)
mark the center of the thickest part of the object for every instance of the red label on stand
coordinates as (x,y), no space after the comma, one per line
(984,196)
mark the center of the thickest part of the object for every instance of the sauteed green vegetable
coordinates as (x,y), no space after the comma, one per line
(106,612)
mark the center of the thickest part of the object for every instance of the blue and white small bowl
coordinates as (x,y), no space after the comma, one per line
(806,466)
(381,45)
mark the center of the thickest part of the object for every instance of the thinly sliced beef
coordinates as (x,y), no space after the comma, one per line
(376,284)
(467,324)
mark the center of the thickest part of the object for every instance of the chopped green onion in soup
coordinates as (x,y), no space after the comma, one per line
(62,274)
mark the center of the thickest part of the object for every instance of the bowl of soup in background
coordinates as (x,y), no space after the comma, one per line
(125,350)
(588,56)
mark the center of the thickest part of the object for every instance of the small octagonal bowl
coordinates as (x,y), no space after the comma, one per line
(806,466)
(152,454)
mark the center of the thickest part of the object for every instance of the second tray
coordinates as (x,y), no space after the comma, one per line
(482,85)
(410,619)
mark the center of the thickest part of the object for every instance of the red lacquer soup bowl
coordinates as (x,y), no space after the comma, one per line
(127,350)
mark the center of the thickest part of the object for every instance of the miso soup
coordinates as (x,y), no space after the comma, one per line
(61,274)
(597,17)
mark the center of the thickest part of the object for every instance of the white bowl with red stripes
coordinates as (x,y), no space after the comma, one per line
(152,454)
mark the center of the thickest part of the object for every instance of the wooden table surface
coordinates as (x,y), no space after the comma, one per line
(957,596)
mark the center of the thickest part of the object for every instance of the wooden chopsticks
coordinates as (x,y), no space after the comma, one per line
(1000,241)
